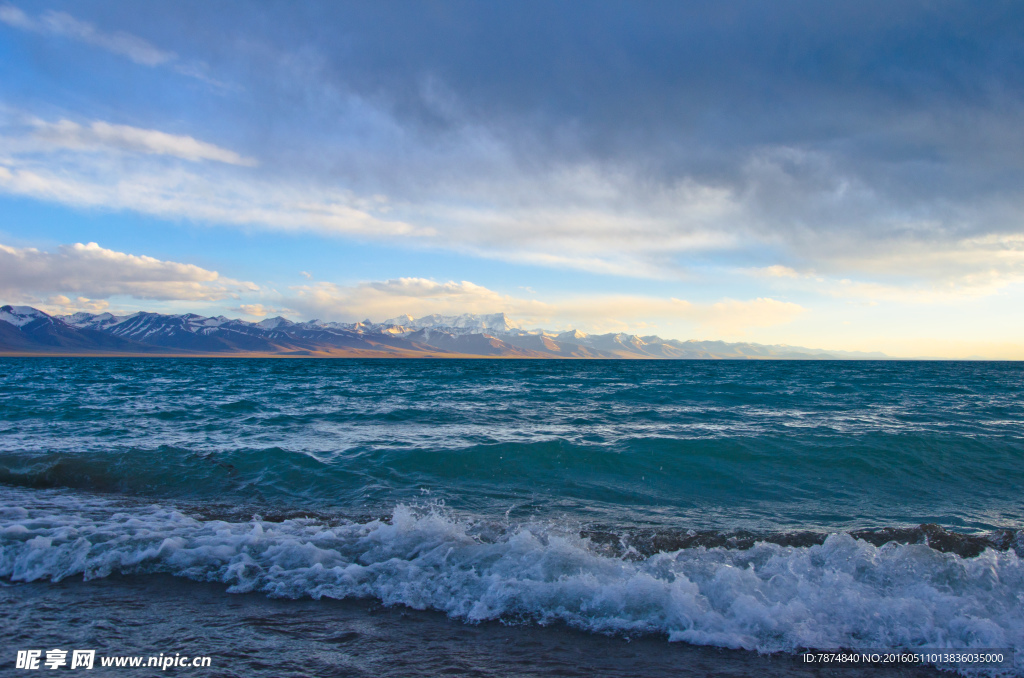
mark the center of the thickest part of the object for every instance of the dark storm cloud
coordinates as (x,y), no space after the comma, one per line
(924,96)
(633,78)
(700,76)
(848,119)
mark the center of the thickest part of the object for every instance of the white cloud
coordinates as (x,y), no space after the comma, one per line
(90,273)
(590,217)
(12,16)
(379,300)
(733,318)
(61,304)
(261,311)
(963,289)
(102,165)
(107,166)
(175,193)
(971,269)
(123,44)
(777,271)
(63,24)
(103,136)
(383,299)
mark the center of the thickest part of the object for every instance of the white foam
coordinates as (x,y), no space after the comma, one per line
(843,593)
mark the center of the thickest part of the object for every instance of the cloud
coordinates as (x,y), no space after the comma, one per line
(777,271)
(647,143)
(970,269)
(594,218)
(804,133)
(379,300)
(101,135)
(90,272)
(62,305)
(109,166)
(120,43)
(261,311)
(12,16)
(384,299)
(966,289)
(732,318)
(174,193)
(124,44)
(63,24)
(84,276)
(420,288)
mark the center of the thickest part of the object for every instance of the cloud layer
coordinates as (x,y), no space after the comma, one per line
(650,142)
(378,300)
(63,24)
(92,272)
(585,217)
(83,277)
(103,136)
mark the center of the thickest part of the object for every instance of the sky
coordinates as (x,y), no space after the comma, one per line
(842,175)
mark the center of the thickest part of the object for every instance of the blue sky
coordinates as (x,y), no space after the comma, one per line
(841,175)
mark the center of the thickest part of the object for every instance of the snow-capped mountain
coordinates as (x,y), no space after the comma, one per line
(19,316)
(24,329)
(494,322)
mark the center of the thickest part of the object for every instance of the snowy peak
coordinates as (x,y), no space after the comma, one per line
(19,316)
(95,321)
(400,321)
(79,319)
(499,322)
(496,322)
(274,323)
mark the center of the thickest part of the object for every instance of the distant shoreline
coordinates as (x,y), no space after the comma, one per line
(381,355)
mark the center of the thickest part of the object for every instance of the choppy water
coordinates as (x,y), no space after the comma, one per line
(759,505)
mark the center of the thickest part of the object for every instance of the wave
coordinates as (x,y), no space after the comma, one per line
(758,483)
(842,592)
(647,542)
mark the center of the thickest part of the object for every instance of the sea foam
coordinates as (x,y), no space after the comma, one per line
(842,593)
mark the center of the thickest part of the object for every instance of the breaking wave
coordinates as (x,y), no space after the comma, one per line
(842,592)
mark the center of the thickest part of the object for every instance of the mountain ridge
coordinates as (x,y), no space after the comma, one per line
(26,330)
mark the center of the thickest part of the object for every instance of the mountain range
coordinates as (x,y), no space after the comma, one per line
(28,331)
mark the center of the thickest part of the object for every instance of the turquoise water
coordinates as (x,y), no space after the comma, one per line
(761,505)
(695,444)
